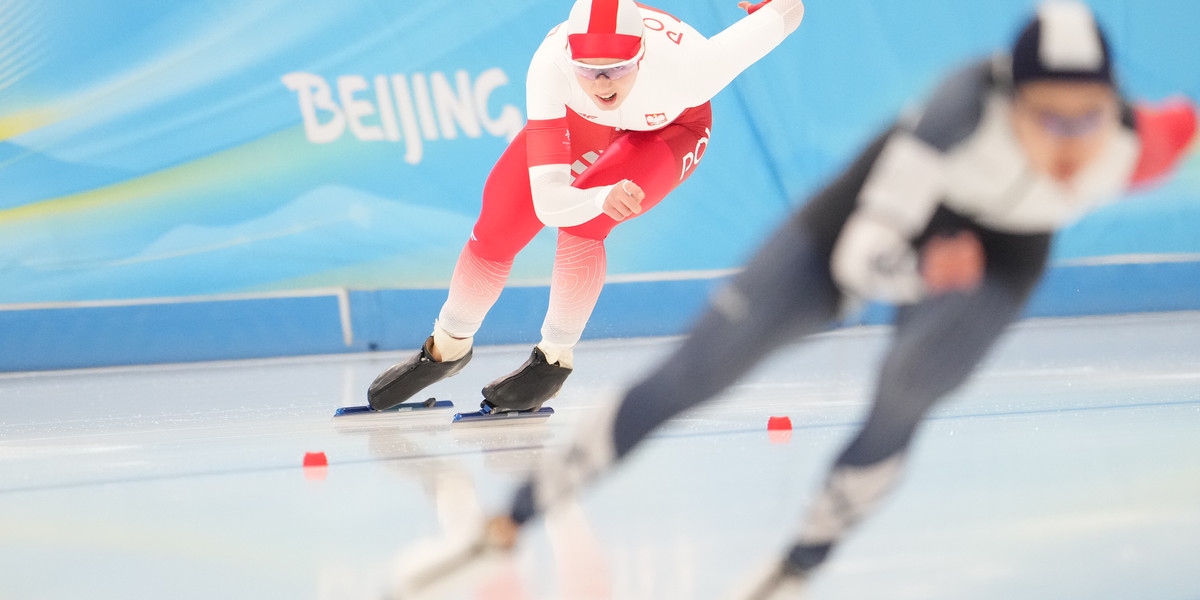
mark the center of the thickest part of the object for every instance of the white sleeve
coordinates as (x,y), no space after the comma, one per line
(873,257)
(547,91)
(717,61)
(547,88)
(557,204)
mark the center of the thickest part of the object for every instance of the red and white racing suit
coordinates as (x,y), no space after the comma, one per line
(561,166)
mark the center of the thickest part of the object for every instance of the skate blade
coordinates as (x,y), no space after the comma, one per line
(482,418)
(429,404)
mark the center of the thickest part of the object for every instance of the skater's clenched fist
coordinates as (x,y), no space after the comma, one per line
(624,200)
(952,263)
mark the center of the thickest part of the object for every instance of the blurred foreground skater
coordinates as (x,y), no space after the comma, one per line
(949,215)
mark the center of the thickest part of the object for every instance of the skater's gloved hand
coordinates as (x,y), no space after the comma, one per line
(952,263)
(750,8)
(874,261)
(624,200)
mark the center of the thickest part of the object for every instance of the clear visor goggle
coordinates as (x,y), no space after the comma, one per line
(612,72)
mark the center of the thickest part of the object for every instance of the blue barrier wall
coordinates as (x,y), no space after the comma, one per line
(261,149)
(363,321)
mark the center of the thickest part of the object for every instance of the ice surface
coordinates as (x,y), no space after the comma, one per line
(1068,468)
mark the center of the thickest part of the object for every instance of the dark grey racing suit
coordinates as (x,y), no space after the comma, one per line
(955,167)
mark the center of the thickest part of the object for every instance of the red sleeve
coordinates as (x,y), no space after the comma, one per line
(547,142)
(752,8)
(1165,133)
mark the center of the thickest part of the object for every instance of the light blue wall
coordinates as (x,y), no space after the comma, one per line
(152,149)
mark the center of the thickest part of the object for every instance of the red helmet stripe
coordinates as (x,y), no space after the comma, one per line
(603,17)
(607,45)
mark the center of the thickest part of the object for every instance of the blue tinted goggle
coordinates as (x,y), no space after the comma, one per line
(1063,126)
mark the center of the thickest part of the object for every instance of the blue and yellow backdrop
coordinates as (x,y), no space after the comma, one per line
(204,179)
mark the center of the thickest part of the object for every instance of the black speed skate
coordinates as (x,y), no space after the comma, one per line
(527,388)
(520,394)
(402,380)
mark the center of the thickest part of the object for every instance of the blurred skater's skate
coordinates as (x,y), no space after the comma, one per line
(774,581)
(440,567)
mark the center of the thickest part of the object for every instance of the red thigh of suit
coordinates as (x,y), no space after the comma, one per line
(658,161)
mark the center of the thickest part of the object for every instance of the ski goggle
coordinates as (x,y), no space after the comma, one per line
(613,72)
(1066,127)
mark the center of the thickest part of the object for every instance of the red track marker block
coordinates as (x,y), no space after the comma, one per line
(316,466)
(779,430)
(779,424)
(315,459)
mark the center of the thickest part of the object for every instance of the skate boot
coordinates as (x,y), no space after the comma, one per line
(527,388)
(402,380)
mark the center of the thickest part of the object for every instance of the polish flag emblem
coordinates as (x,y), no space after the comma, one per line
(656,119)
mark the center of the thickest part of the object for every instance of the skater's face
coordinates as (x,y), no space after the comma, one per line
(609,82)
(1063,126)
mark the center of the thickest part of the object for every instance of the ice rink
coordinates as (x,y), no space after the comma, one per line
(1069,468)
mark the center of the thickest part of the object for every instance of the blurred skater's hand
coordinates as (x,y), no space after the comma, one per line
(624,200)
(952,263)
